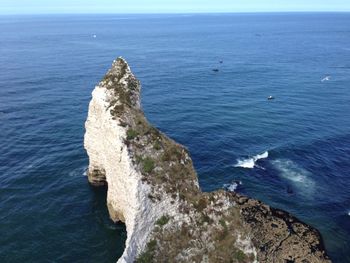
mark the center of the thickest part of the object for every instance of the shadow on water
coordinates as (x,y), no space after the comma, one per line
(114,244)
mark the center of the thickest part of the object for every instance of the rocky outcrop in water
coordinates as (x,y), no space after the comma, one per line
(153,188)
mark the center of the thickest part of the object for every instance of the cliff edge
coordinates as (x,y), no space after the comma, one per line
(153,188)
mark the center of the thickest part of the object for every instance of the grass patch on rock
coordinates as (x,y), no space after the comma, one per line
(239,256)
(147,165)
(148,255)
(131,134)
(162,221)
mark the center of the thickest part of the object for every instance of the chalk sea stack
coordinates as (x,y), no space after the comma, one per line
(153,188)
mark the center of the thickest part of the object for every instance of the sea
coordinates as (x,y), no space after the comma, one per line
(206,79)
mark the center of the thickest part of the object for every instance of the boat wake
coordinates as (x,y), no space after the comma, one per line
(250,162)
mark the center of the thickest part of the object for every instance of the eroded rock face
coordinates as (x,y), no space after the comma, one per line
(153,188)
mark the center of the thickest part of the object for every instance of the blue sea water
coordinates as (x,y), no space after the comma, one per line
(50,64)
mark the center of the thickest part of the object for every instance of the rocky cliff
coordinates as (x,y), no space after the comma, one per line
(153,188)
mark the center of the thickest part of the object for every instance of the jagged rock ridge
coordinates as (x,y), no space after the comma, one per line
(153,188)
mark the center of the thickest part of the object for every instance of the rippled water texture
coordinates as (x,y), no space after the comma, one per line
(296,148)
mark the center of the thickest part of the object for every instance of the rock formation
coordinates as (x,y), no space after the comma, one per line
(153,188)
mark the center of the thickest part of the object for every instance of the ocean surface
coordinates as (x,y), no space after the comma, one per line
(292,152)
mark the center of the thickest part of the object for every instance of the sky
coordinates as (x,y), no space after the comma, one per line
(169,6)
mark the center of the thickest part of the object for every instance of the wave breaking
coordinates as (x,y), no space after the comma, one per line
(232,187)
(250,163)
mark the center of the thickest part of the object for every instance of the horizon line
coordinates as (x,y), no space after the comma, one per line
(176,13)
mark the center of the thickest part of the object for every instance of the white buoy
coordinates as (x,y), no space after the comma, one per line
(94,36)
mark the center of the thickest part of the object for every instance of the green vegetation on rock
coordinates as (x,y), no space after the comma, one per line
(148,255)
(157,145)
(239,256)
(131,134)
(148,165)
(162,221)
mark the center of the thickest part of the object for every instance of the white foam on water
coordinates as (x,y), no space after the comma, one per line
(260,167)
(250,162)
(245,163)
(297,175)
(326,78)
(82,171)
(233,186)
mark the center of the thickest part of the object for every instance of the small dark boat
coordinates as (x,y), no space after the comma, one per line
(221,61)
(215,70)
